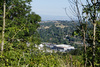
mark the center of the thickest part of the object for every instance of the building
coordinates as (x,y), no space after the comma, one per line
(41,46)
(63,47)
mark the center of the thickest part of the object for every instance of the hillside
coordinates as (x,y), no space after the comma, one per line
(59,32)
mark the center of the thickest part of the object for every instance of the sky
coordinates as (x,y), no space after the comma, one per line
(52,9)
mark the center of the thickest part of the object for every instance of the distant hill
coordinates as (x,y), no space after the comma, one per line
(59,32)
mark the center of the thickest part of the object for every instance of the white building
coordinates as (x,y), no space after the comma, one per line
(40,46)
(64,47)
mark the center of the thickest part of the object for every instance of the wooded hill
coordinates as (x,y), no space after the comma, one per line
(59,32)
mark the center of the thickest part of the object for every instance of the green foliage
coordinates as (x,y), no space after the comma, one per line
(76,52)
(21,23)
(37,58)
(21,28)
(89,56)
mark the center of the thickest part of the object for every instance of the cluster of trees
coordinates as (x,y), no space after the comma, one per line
(88,29)
(20,22)
(18,32)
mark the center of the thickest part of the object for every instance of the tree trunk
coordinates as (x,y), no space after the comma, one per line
(85,58)
(93,48)
(94,32)
(3,29)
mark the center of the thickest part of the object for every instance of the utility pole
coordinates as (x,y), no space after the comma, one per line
(3,28)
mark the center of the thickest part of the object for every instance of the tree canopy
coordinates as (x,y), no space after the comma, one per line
(20,28)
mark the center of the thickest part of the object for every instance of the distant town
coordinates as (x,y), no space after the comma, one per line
(49,47)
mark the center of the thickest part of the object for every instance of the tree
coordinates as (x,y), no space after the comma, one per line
(3,29)
(82,26)
(20,32)
(92,7)
(18,18)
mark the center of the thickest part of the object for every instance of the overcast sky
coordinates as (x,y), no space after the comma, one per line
(51,9)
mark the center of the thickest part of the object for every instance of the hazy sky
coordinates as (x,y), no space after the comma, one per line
(51,9)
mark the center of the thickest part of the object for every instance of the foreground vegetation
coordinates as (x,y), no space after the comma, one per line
(19,36)
(37,58)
